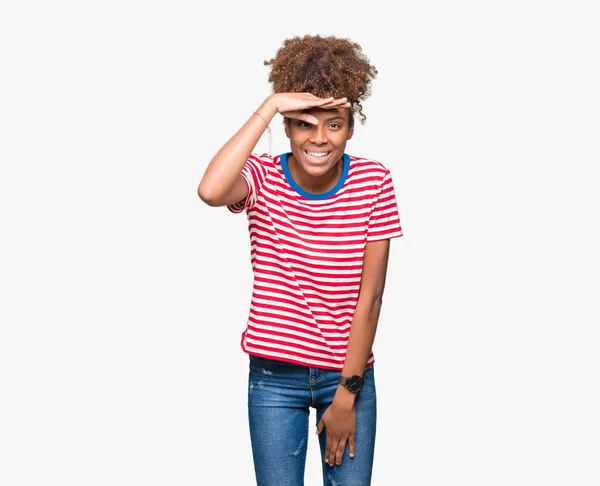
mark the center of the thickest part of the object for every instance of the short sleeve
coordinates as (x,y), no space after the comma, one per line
(254,173)
(384,221)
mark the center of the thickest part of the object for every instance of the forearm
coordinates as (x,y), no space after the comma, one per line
(226,165)
(360,342)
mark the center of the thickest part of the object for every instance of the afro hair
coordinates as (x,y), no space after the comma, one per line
(324,67)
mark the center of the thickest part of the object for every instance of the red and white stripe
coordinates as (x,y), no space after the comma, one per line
(307,256)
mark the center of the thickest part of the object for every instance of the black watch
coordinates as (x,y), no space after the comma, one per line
(353,383)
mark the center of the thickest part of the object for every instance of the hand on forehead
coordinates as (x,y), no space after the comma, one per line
(327,113)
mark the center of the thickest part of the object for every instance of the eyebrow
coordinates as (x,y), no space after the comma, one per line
(333,118)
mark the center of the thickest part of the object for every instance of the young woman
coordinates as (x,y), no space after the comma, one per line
(320,222)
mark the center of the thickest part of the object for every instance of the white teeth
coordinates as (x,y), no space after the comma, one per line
(318,154)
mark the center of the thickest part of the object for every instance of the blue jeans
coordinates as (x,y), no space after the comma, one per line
(279,397)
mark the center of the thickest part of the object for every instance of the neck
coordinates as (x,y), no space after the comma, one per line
(315,184)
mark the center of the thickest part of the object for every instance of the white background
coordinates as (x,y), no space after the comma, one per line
(124,297)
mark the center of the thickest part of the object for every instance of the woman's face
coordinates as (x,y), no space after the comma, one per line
(308,142)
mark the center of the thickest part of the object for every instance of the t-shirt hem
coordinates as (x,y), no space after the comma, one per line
(293,361)
(237,207)
(385,237)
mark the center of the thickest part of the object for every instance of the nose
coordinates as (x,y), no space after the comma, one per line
(319,134)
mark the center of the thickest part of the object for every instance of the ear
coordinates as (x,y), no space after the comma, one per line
(351,125)
(350,132)
(286,124)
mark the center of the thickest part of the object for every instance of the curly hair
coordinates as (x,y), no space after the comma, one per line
(323,66)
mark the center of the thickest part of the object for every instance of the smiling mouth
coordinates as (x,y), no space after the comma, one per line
(317,156)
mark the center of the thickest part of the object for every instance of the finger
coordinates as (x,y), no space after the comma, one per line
(343,99)
(299,115)
(314,97)
(324,101)
(333,452)
(320,426)
(339,454)
(327,448)
(337,104)
(339,101)
(310,119)
(351,444)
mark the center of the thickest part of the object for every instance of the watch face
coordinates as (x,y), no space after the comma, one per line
(354,383)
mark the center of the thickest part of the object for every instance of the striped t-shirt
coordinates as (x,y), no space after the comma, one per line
(306,252)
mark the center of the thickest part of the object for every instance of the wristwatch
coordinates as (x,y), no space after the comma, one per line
(353,383)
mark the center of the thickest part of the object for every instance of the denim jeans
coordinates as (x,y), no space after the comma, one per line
(279,397)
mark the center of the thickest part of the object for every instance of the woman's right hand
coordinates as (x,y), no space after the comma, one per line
(290,105)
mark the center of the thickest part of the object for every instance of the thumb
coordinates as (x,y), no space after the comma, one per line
(320,426)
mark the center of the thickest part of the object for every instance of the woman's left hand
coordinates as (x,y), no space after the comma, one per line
(340,422)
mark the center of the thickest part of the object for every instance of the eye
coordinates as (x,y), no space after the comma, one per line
(336,124)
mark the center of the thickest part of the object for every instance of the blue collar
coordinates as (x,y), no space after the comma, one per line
(308,195)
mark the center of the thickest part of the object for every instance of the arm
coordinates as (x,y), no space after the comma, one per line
(340,418)
(222,183)
(366,315)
